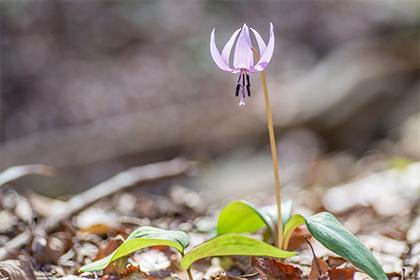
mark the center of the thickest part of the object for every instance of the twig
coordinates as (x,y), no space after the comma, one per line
(318,266)
(15,172)
(121,181)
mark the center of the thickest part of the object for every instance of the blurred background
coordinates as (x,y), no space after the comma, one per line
(94,87)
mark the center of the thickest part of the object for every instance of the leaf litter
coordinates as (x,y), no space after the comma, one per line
(101,227)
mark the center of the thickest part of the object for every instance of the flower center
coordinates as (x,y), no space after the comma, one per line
(242,83)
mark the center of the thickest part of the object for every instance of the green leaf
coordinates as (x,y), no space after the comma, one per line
(141,238)
(241,216)
(291,225)
(156,233)
(325,228)
(233,244)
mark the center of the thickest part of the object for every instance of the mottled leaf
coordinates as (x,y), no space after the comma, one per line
(325,228)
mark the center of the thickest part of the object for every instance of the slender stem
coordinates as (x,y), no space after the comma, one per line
(190,274)
(273,145)
(318,266)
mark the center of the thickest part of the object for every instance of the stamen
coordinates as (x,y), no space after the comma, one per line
(238,87)
(239,78)
(243,85)
(248,86)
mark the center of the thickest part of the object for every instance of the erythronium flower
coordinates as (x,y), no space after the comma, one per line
(243,57)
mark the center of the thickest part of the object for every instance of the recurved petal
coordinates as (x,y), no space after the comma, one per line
(243,57)
(228,47)
(267,54)
(215,54)
(260,41)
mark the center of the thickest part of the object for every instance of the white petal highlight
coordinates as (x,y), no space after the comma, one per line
(260,41)
(215,54)
(268,53)
(243,57)
(228,47)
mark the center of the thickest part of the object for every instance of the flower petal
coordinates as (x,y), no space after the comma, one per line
(228,47)
(268,53)
(260,41)
(243,57)
(215,54)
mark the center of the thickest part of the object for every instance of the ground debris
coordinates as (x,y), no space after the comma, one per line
(16,270)
(271,269)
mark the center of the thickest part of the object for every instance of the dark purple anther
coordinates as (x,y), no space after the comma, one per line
(248,86)
(238,87)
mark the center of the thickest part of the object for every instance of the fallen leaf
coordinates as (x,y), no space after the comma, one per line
(298,238)
(272,269)
(49,250)
(334,268)
(16,270)
(343,272)
(335,261)
(121,267)
(319,270)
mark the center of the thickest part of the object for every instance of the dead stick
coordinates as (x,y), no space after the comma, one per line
(120,182)
(318,266)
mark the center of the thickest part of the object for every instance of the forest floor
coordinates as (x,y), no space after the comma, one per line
(44,238)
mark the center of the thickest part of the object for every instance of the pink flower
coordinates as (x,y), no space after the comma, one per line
(243,57)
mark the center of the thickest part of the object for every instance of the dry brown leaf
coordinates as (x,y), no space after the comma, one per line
(319,270)
(271,269)
(16,270)
(298,238)
(49,250)
(120,267)
(112,244)
(335,261)
(340,269)
(342,272)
